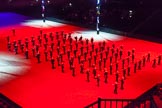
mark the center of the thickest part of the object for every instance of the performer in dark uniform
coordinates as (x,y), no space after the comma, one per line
(22,48)
(117,76)
(98,79)
(9,46)
(135,67)
(16,49)
(82,68)
(122,83)
(121,53)
(94,71)
(139,65)
(144,61)
(111,69)
(159,59)
(89,61)
(73,70)
(106,75)
(33,51)
(62,67)
(53,62)
(88,75)
(46,55)
(128,69)
(154,63)
(26,54)
(116,88)
(124,73)
(38,57)
(148,57)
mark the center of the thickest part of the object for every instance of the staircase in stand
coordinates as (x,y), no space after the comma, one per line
(149,99)
(5,102)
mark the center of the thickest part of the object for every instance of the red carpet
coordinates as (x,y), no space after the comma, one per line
(43,87)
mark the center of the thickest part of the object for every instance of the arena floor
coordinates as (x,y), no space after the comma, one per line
(37,85)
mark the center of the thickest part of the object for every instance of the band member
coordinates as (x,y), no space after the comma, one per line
(116,88)
(106,53)
(139,65)
(154,63)
(62,67)
(9,46)
(121,53)
(133,57)
(92,40)
(106,75)
(76,46)
(76,38)
(75,53)
(122,83)
(117,66)
(51,53)
(159,59)
(110,59)
(16,49)
(89,61)
(73,70)
(64,48)
(100,64)
(68,54)
(26,42)
(148,57)
(144,61)
(38,57)
(58,60)
(101,55)
(124,73)
(79,58)
(129,53)
(53,62)
(82,68)
(112,51)
(92,45)
(26,54)
(117,76)
(88,75)
(111,69)
(98,79)
(22,48)
(128,60)
(85,56)
(128,70)
(33,51)
(94,71)
(95,58)
(46,55)
(104,62)
(135,67)
(116,57)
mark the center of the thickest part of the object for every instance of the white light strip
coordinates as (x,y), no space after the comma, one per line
(40,24)
(101,37)
(11,67)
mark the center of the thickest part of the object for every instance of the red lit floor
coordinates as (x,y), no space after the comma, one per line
(40,86)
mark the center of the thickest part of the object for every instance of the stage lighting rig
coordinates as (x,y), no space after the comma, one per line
(43,10)
(98,16)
